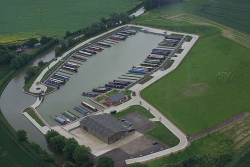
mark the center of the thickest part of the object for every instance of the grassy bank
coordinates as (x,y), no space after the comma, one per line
(233,138)
(208,87)
(4,71)
(132,109)
(163,135)
(34,116)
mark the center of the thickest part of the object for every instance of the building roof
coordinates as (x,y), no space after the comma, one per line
(116,97)
(105,124)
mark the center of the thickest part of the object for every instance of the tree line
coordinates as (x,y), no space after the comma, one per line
(23,58)
(71,39)
(150,4)
(79,154)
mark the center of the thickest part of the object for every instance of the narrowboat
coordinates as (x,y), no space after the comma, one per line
(114,86)
(61,76)
(81,110)
(92,94)
(172,37)
(89,106)
(70,69)
(103,44)
(85,53)
(95,48)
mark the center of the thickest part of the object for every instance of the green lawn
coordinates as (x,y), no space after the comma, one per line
(210,86)
(25,19)
(127,92)
(227,138)
(132,109)
(112,92)
(163,135)
(100,98)
(231,13)
(34,116)
(4,70)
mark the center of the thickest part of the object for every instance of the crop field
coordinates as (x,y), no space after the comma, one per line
(234,137)
(12,154)
(232,13)
(24,19)
(208,87)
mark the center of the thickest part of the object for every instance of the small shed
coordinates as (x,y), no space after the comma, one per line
(37,45)
(115,99)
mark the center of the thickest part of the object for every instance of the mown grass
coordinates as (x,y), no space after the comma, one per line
(132,109)
(34,116)
(163,135)
(233,14)
(4,70)
(127,92)
(227,138)
(100,98)
(46,18)
(112,92)
(210,86)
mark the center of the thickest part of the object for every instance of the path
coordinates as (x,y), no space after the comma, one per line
(215,128)
(137,99)
(158,115)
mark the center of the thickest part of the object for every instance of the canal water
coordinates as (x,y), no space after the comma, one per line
(98,70)
(13,101)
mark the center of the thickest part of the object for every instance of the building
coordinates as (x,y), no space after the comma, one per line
(37,45)
(106,127)
(115,99)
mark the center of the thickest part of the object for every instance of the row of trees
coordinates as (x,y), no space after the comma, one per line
(149,4)
(32,71)
(23,58)
(6,55)
(73,151)
(41,154)
(116,19)
(70,149)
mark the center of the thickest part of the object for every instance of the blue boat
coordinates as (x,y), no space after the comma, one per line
(92,94)
(89,51)
(114,86)
(81,110)
(51,84)
(61,76)
(137,71)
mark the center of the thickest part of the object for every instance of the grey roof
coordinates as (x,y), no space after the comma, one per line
(117,96)
(105,124)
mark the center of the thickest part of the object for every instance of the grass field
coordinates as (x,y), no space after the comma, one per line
(163,135)
(209,86)
(4,71)
(234,137)
(132,109)
(232,13)
(24,19)
(12,154)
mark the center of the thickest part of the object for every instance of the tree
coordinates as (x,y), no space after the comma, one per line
(124,17)
(68,33)
(20,60)
(69,164)
(71,40)
(25,57)
(114,18)
(57,142)
(70,146)
(46,157)
(15,64)
(138,165)
(44,40)
(148,4)
(103,20)
(105,162)
(41,64)
(50,134)
(64,44)
(22,135)
(31,71)
(81,156)
(103,26)
(32,41)
(57,50)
